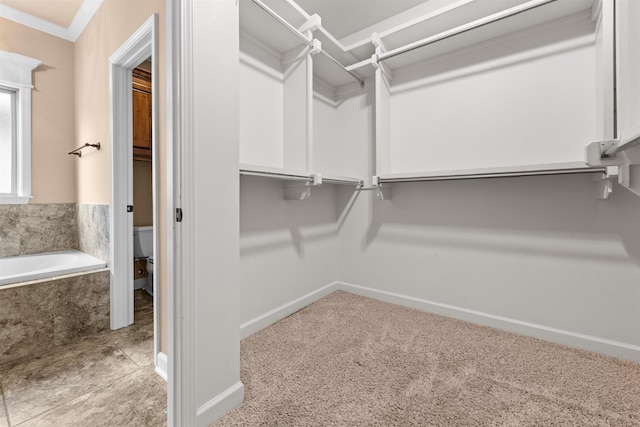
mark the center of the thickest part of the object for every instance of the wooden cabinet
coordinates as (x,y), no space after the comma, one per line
(141,95)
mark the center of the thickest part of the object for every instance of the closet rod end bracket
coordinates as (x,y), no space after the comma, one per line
(316,47)
(383,191)
(314,23)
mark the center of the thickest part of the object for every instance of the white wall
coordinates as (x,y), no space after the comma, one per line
(343,131)
(526,99)
(261,106)
(287,249)
(539,249)
(209,364)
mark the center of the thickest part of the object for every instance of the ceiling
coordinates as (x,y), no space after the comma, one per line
(344,17)
(62,18)
(340,17)
(60,12)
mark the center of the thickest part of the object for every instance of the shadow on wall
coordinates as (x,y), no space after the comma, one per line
(268,222)
(546,216)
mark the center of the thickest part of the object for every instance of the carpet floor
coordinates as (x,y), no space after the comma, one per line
(352,361)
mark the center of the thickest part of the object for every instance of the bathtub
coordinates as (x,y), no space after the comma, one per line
(27,268)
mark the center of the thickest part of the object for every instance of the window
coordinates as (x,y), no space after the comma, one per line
(7,141)
(15,127)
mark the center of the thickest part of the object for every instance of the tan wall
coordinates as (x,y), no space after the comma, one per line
(142,194)
(53,171)
(111,26)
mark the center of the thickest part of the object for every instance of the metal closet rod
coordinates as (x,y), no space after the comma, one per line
(525,7)
(487,175)
(304,38)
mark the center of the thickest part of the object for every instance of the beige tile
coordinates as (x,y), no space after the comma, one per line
(151,371)
(143,307)
(136,341)
(40,384)
(9,234)
(26,320)
(134,400)
(93,230)
(46,228)
(81,306)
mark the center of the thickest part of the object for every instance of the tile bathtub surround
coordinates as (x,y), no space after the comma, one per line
(93,230)
(81,306)
(30,229)
(35,317)
(26,320)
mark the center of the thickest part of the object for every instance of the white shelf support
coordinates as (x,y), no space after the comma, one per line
(314,23)
(297,192)
(613,152)
(316,48)
(383,191)
(604,183)
(380,49)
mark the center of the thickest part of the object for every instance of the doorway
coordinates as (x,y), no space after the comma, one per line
(140,47)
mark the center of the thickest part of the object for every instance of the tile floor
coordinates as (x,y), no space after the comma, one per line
(107,379)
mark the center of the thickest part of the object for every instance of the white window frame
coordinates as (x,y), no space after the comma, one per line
(15,75)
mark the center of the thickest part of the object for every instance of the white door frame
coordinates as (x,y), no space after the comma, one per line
(141,45)
(173,52)
(203,132)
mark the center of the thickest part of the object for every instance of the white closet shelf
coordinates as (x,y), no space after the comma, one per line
(258,24)
(500,23)
(275,173)
(279,25)
(499,172)
(296,175)
(341,180)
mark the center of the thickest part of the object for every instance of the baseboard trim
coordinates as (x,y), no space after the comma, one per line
(220,405)
(559,336)
(161,366)
(269,318)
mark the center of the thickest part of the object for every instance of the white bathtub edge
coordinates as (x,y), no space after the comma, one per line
(49,279)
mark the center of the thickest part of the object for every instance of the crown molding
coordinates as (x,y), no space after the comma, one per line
(79,23)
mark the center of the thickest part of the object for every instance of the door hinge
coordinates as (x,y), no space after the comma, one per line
(178,215)
(129,208)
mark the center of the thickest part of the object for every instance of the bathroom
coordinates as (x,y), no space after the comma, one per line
(69,205)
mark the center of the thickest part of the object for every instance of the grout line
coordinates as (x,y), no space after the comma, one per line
(4,403)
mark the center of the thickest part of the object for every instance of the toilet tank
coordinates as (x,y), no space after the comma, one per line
(142,242)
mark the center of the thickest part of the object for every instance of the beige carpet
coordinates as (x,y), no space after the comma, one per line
(352,361)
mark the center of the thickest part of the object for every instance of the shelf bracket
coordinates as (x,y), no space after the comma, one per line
(604,183)
(316,48)
(380,48)
(378,43)
(614,152)
(385,69)
(382,191)
(314,23)
(302,192)
(297,192)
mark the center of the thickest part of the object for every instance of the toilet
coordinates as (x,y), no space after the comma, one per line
(143,249)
